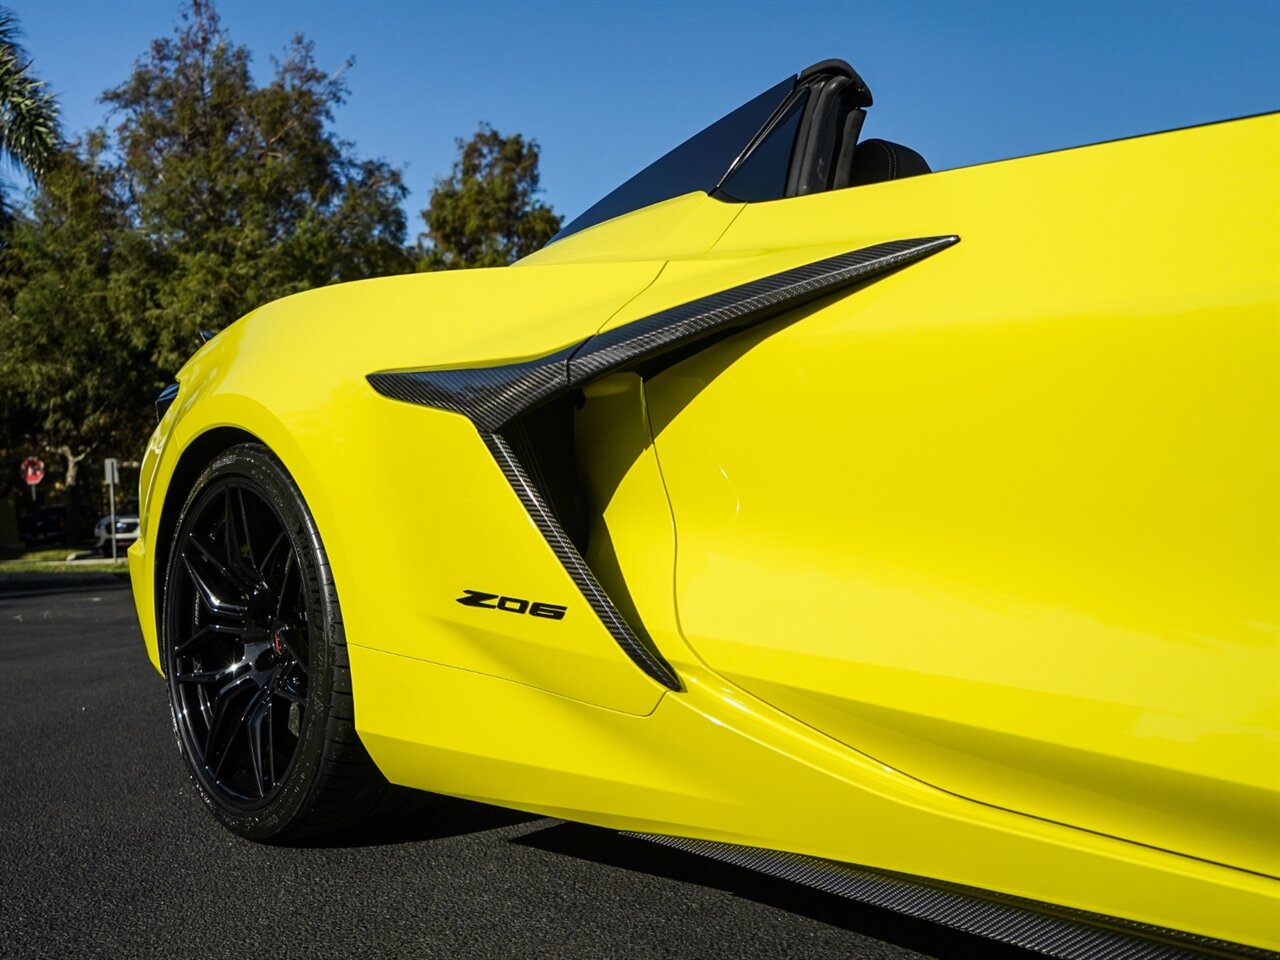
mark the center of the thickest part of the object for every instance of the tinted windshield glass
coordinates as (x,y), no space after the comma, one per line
(763,175)
(697,164)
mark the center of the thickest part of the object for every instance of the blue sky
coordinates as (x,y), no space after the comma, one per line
(607,87)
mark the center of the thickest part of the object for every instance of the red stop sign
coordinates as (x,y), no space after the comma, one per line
(32,471)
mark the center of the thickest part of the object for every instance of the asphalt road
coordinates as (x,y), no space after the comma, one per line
(106,851)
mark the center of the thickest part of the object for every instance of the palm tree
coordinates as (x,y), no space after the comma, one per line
(28,112)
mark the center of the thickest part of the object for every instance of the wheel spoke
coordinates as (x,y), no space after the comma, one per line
(204,676)
(222,732)
(209,701)
(267,558)
(232,539)
(243,545)
(253,729)
(209,631)
(240,723)
(234,682)
(219,597)
(288,693)
(271,745)
(284,583)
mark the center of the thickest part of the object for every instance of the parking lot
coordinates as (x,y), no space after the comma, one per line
(106,851)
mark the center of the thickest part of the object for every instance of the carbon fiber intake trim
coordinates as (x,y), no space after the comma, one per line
(546,522)
(742,306)
(491,397)
(1029,924)
(488,396)
(494,397)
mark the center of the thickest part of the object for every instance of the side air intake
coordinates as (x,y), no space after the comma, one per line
(496,398)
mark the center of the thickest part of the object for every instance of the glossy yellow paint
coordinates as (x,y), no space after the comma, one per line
(431,514)
(716,763)
(978,342)
(675,229)
(631,547)
(1009,520)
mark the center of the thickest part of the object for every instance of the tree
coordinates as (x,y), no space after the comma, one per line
(71,383)
(214,196)
(485,214)
(241,193)
(28,111)
(71,374)
(29,139)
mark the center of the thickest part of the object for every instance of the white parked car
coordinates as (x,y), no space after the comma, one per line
(126,530)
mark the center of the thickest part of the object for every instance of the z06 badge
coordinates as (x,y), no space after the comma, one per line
(492,601)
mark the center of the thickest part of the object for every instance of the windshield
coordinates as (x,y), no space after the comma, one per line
(697,164)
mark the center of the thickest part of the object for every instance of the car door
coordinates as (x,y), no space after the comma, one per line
(1006,519)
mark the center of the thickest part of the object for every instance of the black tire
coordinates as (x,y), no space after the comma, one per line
(254,652)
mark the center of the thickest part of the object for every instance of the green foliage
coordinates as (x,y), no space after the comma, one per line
(71,372)
(214,195)
(485,213)
(241,194)
(211,195)
(28,111)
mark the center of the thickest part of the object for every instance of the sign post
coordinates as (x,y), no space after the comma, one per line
(32,472)
(111,466)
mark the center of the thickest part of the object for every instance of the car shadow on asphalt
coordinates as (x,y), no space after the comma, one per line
(629,853)
(19,586)
(422,817)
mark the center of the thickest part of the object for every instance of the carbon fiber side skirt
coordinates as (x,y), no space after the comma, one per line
(1050,930)
(495,398)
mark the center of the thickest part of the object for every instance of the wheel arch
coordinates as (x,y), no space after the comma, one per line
(199,453)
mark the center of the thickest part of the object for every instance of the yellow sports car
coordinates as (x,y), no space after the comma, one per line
(912,536)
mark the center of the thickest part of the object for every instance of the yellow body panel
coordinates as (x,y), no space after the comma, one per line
(679,228)
(1015,534)
(717,764)
(410,504)
(1022,558)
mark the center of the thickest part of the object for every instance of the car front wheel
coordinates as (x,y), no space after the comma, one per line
(255,657)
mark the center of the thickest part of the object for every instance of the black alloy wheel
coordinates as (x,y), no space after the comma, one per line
(255,657)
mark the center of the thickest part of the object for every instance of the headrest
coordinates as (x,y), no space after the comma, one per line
(875,161)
